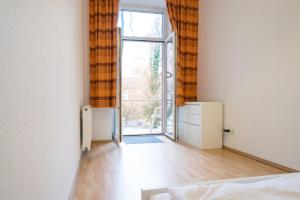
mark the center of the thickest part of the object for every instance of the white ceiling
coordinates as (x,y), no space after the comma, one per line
(145,3)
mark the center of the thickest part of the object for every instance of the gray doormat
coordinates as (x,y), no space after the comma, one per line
(141,139)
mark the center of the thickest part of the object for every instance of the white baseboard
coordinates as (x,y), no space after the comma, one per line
(71,195)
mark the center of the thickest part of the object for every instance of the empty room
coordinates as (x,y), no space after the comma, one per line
(149,100)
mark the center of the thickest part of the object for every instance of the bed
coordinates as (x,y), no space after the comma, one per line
(280,186)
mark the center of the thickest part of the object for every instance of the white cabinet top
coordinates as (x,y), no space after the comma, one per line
(201,102)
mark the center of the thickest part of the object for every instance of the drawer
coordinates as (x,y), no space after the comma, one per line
(194,109)
(182,114)
(194,135)
(182,131)
(194,119)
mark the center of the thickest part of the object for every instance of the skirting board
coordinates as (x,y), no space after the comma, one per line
(71,195)
(288,169)
(101,141)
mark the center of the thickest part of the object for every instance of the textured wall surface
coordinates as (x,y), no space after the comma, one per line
(250,59)
(41,89)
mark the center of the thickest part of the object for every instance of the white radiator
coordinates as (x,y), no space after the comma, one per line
(86,127)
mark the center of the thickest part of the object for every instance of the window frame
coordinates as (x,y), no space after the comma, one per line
(148,39)
(144,10)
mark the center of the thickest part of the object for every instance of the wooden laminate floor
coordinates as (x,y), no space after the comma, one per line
(109,172)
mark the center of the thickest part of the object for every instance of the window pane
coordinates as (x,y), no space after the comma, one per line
(142,24)
(141,87)
(170,87)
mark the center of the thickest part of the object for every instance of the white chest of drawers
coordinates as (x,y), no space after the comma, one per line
(200,124)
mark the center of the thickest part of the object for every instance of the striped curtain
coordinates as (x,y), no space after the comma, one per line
(183,16)
(103,15)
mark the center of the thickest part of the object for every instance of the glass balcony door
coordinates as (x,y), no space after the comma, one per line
(169,74)
(141,104)
(145,109)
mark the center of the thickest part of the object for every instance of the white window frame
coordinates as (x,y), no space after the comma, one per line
(151,39)
(145,10)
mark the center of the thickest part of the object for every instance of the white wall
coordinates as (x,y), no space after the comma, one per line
(103,123)
(249,58)
(41,89)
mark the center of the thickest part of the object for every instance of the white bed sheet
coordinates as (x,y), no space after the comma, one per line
(162,196)
(286,187)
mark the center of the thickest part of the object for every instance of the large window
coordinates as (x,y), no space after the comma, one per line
(142,34)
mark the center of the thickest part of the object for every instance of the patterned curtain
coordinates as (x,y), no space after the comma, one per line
(183,16)
(103,17)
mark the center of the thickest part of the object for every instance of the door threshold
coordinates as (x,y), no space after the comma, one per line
(143,134)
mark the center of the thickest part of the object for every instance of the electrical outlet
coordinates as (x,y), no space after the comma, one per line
(229,131)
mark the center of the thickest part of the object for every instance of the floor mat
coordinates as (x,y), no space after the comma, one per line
(141,139)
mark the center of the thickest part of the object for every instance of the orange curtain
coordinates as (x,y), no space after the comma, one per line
(103,15)
(183,16)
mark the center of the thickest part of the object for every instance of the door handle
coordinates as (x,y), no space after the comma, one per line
(169,75)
